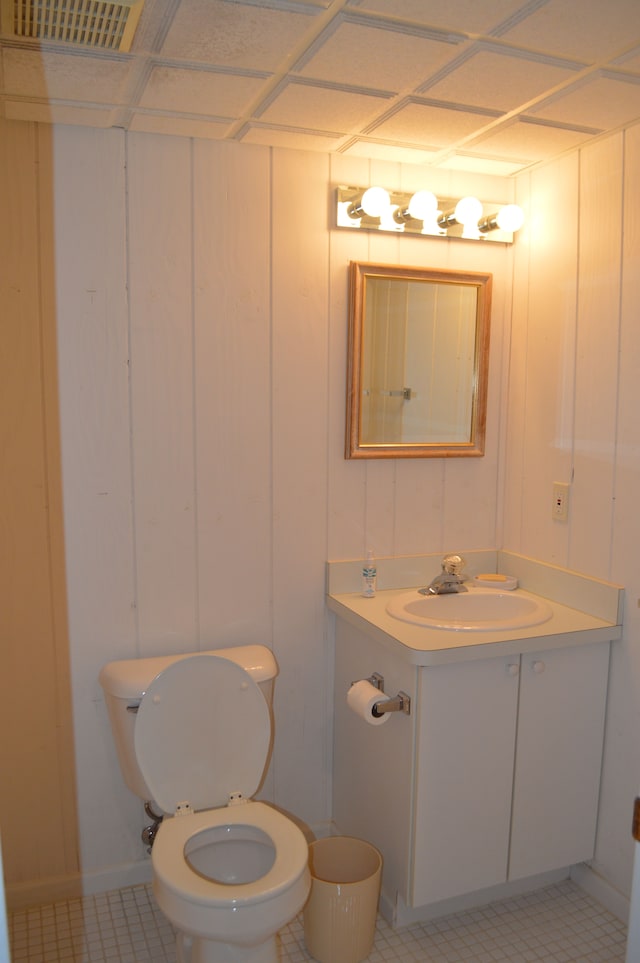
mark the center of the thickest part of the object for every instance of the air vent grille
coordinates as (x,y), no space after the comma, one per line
(86,23)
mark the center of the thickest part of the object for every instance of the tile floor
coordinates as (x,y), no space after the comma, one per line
(558,924)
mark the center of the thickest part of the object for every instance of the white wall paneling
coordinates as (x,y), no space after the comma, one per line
(232,374)
(299,305)
(232,371)
(621,775)
(91,285)
(597,353)
(160,253)
(541,386)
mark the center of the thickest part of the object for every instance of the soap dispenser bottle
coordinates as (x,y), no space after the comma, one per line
(369,576)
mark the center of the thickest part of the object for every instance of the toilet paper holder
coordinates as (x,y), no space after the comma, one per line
(401,702)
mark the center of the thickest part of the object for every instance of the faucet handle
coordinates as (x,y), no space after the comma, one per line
(453,564)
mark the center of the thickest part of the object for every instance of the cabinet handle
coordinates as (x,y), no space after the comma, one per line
(513,669)
(538,667)
(635,829)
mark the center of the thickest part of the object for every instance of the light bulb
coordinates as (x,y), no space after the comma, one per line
(510,218)
(468,211)
(375,201)
(423,206)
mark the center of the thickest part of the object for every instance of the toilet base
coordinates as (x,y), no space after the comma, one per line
(196,950)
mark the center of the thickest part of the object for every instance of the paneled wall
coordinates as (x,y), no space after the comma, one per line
(201,309)
(37,798)
(574,397)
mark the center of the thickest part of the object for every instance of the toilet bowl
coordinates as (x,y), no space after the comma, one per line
(233,877)
(228,872)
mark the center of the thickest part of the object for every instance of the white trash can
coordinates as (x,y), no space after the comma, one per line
(340,914)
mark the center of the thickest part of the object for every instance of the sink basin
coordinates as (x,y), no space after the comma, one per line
(476,610)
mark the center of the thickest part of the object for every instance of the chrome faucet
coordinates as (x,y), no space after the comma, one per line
(450,579)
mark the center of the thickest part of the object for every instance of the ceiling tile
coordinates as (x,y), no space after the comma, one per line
(235,34)
(600,101)
(315,107)
(498,79)
(527,142)
(431,125)
(468,16)
(58,76)
(590,30)
(370,57)
(198,91)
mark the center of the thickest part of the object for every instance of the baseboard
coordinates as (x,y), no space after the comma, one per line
(398,914)
(74,886)
(36,892)
(601,890)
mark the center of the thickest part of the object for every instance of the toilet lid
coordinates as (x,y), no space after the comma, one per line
(202,732)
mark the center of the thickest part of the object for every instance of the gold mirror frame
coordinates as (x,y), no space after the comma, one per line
(472,378)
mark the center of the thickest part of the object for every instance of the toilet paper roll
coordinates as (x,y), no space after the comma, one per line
(361,698)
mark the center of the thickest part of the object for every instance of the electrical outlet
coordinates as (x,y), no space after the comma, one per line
(560,504)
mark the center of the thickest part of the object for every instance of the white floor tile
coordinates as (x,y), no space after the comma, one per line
(558,924)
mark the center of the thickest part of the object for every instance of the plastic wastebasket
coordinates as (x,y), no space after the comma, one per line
(340,914)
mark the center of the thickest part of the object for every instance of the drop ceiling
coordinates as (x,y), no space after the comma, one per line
(491,86)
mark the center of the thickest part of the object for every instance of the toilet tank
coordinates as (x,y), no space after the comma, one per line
(125,682)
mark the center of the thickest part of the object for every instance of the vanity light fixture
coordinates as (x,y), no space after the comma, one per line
(422,213)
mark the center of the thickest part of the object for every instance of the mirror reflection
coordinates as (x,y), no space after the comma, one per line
(418,362)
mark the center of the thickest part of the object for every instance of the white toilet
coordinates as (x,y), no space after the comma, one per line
(193,734)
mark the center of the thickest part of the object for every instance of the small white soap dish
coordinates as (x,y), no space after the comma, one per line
(496,581)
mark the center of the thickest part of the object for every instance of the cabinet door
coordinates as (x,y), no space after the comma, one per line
(558,758)
(464,773)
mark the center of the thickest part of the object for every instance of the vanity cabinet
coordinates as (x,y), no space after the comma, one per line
(493,777)
(508,754)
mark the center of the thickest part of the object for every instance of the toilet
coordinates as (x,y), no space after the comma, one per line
(193,735)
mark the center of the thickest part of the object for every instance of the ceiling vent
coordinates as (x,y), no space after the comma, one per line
(85,23)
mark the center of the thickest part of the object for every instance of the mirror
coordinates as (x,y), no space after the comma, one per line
(418,362)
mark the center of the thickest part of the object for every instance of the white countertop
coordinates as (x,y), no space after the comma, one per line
(421,645)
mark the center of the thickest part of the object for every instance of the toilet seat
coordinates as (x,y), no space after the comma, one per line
(202,734)
(172,868)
